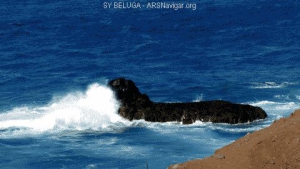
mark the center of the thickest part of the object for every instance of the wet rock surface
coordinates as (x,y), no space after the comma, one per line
(135,105)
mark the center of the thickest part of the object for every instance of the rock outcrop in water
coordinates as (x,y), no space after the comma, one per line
(135,105)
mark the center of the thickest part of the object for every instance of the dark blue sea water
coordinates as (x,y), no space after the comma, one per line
(57,57)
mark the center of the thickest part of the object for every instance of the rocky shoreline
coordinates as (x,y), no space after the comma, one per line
(135,105)
(277,146)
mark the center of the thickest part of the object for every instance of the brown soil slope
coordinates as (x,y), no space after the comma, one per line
(277,146)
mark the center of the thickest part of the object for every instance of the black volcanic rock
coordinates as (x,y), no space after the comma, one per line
(135,105)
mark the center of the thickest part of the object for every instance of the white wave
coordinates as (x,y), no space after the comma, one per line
(276,110)
(276,106)
(286,97)
(199,98)
(94,109)
(270,85)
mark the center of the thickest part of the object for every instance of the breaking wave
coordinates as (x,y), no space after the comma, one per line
(94,109)
(270,85)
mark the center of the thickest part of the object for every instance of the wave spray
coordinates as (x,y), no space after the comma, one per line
(94,109)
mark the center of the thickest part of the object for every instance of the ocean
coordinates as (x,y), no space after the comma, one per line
(57,57)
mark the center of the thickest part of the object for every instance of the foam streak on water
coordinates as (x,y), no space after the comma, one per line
(94,109)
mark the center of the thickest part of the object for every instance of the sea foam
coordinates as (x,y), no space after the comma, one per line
(94,109)
(271,85)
